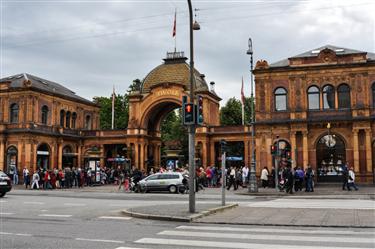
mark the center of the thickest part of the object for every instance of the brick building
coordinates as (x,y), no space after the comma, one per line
(41,123)
(321,105)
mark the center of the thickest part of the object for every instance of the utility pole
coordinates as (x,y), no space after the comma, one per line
(223,175)
(253,185)
(192,26)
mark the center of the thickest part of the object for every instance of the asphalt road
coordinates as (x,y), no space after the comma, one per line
(69,219)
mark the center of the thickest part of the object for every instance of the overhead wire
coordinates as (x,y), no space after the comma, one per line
(229,18)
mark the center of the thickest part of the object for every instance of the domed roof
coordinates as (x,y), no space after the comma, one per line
(174,70)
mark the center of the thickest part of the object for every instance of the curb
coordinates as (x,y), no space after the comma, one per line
(190,218)
(282,225)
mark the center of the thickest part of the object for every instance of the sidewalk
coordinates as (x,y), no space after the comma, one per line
(361,217)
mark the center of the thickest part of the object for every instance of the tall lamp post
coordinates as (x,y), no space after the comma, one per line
(253,186)
(192,26)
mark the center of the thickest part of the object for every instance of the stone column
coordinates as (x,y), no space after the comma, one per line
(246,152)
(28,155)
(258,147)
(355,150)
(34,163)
(79,154)
(142,157)
(102,157)
(268,148)
(305,149)
(2,154)
(136,155)
(59,155)
(204,154)
(293,148)
(368,151)
(212,153)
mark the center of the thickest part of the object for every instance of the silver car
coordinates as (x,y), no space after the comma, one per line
(170,181)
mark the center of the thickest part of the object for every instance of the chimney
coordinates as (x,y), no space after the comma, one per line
(212,86)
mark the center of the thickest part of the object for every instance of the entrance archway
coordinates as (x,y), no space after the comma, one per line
(330,157)
(158,94)
(12,154)
(43,156)
(69,158)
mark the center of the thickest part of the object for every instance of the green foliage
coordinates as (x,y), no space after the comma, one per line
(172,130)
(231,113)
(121,108)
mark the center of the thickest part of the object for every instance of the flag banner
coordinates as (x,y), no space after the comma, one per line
(242,94)
(174,26)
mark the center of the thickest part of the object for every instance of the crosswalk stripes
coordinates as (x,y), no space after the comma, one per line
(264,237)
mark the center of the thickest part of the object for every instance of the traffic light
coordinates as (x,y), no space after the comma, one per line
(188,114)
(200,110)
(273,150)
(223,144)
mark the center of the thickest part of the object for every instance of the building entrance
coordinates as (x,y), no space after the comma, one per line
(330,155)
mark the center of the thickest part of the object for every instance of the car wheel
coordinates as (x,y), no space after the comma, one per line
(172,189)
(2,194)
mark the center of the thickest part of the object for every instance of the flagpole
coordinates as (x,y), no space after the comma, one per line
(243,103)
(174,30)
(113,108)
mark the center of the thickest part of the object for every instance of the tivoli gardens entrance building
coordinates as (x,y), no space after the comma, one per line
(318,106)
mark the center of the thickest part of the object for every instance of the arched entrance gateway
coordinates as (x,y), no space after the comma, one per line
(160,93)
(330,157)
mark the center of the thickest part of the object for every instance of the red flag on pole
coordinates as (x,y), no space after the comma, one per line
(174,25)
(242,94)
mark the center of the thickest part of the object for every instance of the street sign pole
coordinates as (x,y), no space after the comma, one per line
(223,176)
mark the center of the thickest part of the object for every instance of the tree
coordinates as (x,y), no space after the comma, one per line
(121,108)
(231,113)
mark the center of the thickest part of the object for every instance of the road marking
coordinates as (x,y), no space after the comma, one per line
(17,234)
(129,248)
(267,237)
(33,202)
(3,201)
(115,217)
(316,203)
(6,213)
(56,215)
(101,240)
(75,204)
(221,244)
(270,230)
(44,210)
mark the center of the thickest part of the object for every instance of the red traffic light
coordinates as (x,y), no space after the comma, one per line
(188,108)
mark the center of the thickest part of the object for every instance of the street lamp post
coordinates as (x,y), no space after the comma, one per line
(253,186)
(192,26)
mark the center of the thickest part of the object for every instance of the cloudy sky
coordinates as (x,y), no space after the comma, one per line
(89,46)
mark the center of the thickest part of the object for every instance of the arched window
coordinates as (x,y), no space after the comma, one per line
(62,118)
(14,109)
(328,97)
(313,95)
(44,114)
(67,123)
(74,118)
(88,122)
(343,94)
(280,99)
(373,95)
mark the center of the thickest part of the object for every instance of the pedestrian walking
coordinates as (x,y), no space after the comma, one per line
(309,176)
(26,177)
(264,177)
(36,179)
(245,176)
(298,179)
(288,175)
(351,180)
(232,178)
(345,172)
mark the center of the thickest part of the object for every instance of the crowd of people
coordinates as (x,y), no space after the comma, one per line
(288,178)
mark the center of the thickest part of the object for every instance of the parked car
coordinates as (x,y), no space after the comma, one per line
(5,184)
(170,181)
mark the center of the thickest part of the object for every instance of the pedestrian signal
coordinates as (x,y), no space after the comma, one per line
(200,110)
(188,114)
(273,150)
